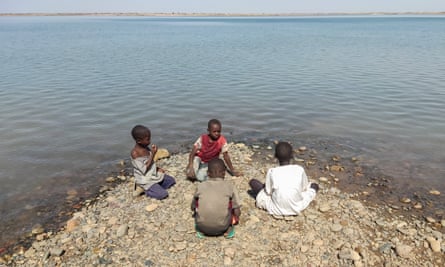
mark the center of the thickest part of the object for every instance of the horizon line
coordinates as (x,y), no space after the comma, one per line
(215,14)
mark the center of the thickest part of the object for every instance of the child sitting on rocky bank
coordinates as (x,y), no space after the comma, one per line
(207,147)
(216,203)
(152,180)
(287,190)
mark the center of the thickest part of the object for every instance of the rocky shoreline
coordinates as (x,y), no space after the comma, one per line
(337,229)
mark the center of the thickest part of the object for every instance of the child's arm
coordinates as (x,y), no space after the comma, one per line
(151,156)
(190,172)
(229,164)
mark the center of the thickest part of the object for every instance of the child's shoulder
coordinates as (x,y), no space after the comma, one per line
(138,152)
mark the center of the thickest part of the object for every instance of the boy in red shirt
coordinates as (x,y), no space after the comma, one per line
(207,147)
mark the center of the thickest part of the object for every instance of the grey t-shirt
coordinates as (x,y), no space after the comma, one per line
(213,215)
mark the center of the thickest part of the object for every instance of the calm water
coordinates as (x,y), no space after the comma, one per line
(71,88)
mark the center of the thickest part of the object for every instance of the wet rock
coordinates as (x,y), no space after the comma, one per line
(110,179)
(405,200)
(336,168)
(434,192)
(37,229)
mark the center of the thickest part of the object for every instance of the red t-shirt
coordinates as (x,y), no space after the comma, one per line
(210,149)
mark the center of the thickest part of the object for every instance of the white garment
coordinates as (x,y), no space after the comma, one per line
(287,191)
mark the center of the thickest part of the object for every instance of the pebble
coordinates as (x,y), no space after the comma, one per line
(72,224)
(403,251)
(302,148)
(37,229)
(122,230)
(57,252)
(323,179)
(434,244)
(334,230)
(324,207)
(110,179)
(151,207)
(434,192)
(405,200)
(336,227)
(430,219)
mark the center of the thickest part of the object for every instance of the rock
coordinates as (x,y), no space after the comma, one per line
(336,227)
(180,246)
(72,224)
(403,251)
(430,219)
(434,192)
(181,228)
(122,230)
(151,207)
(349,254)
(37,229)
(57,252)
(304,248)
(110,179)
(385,248)
(405,200)
(318,242)
(302,148)
(323,180)
(434,244)
(417,206)
(336,168)
(240,145)
(324,207)
(161,154)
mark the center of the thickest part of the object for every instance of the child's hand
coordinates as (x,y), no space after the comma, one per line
(154,149)
(236,173)
(190,172)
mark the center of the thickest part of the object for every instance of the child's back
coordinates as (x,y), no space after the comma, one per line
(287,190)
(214,201)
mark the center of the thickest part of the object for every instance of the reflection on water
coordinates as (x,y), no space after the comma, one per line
(71,88)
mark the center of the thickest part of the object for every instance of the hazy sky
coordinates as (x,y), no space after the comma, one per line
(223,6)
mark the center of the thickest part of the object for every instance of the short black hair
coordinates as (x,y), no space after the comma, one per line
(283,151)
(140,131)
(213,121)
(216,165)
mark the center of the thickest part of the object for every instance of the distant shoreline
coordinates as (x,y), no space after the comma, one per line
(181,14)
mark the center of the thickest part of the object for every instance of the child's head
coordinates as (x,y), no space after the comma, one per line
(216,168)
(141,134)
(283,152)
(214,128)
